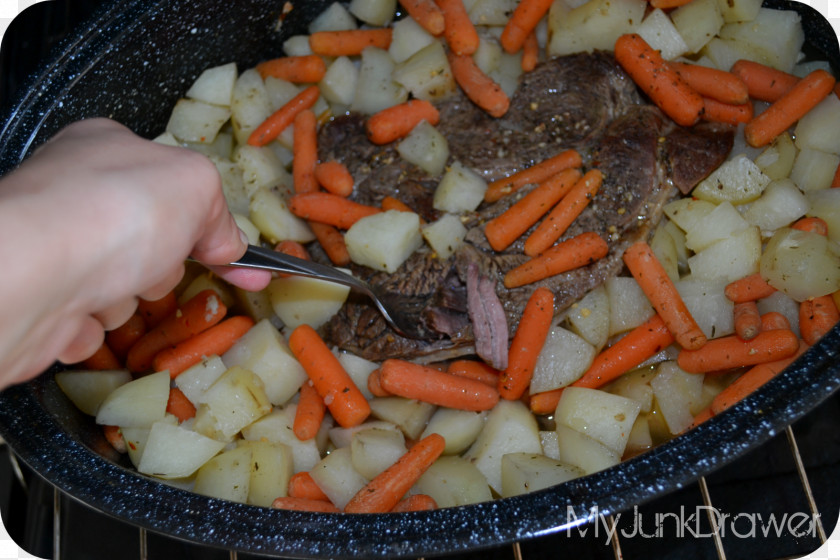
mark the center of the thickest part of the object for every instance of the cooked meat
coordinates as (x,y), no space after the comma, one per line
(582,101)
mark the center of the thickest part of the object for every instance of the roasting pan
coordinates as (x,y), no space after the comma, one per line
(130,62)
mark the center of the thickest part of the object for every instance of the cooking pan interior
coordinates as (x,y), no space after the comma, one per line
(131,62)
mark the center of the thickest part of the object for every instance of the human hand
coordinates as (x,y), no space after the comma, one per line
(96,218)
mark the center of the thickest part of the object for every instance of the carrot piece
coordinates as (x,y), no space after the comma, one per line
(478,86)
(308,68)
(731,351)
(309,413)
(334,177)
(329,208)
(332,241)
(123,337)
(427,14)
(667,4)
(581,250)
(350,41)
(280,119)
(304,504)
(391,203)
(747,320)
(386,489)
(526,344)
(537,173)
(720,85)
(545,402)
(774,320)
(302,485)
(522,23)
(345,402)
(663,295)
(530,52)
(415,502)
(505,228)
(458,30)
(763,82)
(179,405)
(813,225)
(201,312)
(374,384)
(305,150)
(215,340)
(427,384)
(113,434)
(398,120)
(817,316)
(835,182)
(705,414)
(153,312)
(293,249)
(475,370)
(715,111)
(564,213)
(751,380)
(789,108)
(748,288)
(102,359)
(658,80)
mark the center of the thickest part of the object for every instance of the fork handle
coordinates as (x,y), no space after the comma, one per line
(259,257)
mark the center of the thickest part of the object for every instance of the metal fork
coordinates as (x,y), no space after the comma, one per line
(396,309)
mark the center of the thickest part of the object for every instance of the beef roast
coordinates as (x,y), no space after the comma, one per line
(582,101)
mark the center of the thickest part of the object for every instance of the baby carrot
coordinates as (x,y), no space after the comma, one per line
(537,173)
(334,177)
(835,182)
(774,320)
(720,85)
(527,343)
(663,295)
(215,340)
(427,14)
(581,250)
(530,52)
(304,504)
(349,42)
(731,351)
(391,203)
(102,359)
(179,405)
(415,381)
(715,111)
(817,316)
(747,320)
(308,68)
(123,337)
(564,213)
(201,312)
(475,370)
(302,485)
(506,228)
(329,208)
(701,417)
(374,385)
(332,241)
(748,288)
(812,224)
(522,22)
(789,108)
(398,120)
(763,82)
(458,31)
(292,248)
(545,402)
(345,402)
(667,4)
(305,150)
(478,86)
(415,502)
(386,489)
(658,80)
(280,119)
(155,311)
(114,436)
(309,413)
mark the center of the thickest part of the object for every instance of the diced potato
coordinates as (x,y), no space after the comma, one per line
(814,169)
(777,34)
(271,214)
(343,437)
(718,224)
(445,235)
(729,259)
(385,240)
(782,303)
(247,227)
(548,439)
(640,439)
(628,304)
(207,281)
(298,300)
(256,305)
(375,88)
(407,38)
(723,53)
(780,204)
(410,415)
(663,246)
(334,18)
(172,451)
(226,476)
(739,10)
(801,264)
(280,91)
(825,204)
(276,427)
(564,357)
(135,440)
(373,12)
(659,32)
(491,12)
(272,465)
(138,403)
(426,74)
(426,148)
(594,25)
(510,427)
(578,449)
(777,159)
(88,388)
(688,213)
(590,317)
(261,168)
(635,385)
(196,121)
(194,381)
(737,180)
(697,22)
(460,190)
(452,481)
(264,351)
(215,85)
(528,472)
(250,104)
(600,415)
(678,235)
(359,369)
(167,139)
(508,72)
(818,128)
(297,45)
(235,400)
(337,478)
(339,82)
(233,185)
(488,54)
(678,393)
(373,450)
(221,146)
(707,303)
(458,427)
